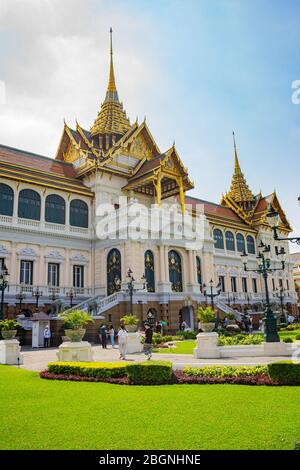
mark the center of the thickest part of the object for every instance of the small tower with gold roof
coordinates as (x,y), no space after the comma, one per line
(239,190)
(111,123)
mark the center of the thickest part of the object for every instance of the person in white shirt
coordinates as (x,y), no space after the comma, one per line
(122,340)
(47,336)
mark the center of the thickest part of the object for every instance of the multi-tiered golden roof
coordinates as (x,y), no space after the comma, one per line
(111,118)
(239,189)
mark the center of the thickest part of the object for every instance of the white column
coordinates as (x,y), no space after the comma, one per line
(162,272)
(12,269)
(166,263)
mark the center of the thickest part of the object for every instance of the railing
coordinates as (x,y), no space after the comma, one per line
(101,304)
(48,291)
(44,226)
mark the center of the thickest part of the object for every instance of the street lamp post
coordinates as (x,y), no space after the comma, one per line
(211,293)
(280,295)
(37,294)
(20,296)
(71,294)
(131,289)
(264,268)
(3,285)
(273,218)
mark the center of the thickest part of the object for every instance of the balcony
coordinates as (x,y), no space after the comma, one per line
(44,227)
(48,291)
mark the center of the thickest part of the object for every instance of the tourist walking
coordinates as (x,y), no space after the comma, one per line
(183,325)
(111,333)
(148,341)
(122,341)
(103,333)
(47,336)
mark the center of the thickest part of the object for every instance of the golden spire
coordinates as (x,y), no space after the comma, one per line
(111,88)
(111,118)
(239,190)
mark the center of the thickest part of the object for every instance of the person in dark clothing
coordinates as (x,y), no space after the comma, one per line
(148,341)
(103,334)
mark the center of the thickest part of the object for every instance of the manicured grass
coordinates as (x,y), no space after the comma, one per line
(187,347)
(42,414)
(182,347)
(291,334)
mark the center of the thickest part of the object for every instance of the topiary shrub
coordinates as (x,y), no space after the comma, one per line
(225,371)
(187,334)
(297,337)
(285,372)
(240,339)
(293,326)
(288,339)
(89,369)
(151,372)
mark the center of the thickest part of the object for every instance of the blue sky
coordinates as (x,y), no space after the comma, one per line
(197,69)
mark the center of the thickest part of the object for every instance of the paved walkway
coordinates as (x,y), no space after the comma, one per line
(37,359)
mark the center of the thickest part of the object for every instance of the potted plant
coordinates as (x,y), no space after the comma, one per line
(231,318)
(207,318)
(74,321)
(9,328)
(130,322)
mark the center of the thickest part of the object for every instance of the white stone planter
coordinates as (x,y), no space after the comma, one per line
(10,352)
(207,348)
(80,351)
(75,336)
(207,327)
(133,343)
(131,328)
(8,334)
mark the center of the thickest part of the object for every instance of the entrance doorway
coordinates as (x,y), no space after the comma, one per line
(186,314)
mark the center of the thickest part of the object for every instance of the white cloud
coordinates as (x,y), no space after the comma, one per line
(57,66)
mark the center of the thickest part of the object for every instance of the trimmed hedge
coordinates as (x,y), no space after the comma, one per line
(89,369)
(150,372)
(285,372)
(240,339)
(225,371)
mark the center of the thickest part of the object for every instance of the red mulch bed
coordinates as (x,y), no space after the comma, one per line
(178,378)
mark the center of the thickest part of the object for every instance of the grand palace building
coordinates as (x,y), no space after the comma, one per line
(49,213)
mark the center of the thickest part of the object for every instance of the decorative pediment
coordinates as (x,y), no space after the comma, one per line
(3,250)
(79,258)
(55,255)
(28,252)
(140,148)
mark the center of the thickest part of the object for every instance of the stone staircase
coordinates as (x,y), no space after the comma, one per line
(226,309)
(99,303)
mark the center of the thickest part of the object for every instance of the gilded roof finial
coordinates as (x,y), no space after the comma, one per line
(111,83)
(112,118)
(239,190)
(236,160)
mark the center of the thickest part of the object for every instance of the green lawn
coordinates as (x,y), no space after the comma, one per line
(187,347)
(42,414)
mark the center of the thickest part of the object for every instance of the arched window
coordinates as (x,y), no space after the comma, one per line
(240,243)
(175,271)
(250,245)
(55,210)
(219,240)
(229,237)
(149,271)
(199,274)
(6,200)
(29,204)
(114,275)
(79,213)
